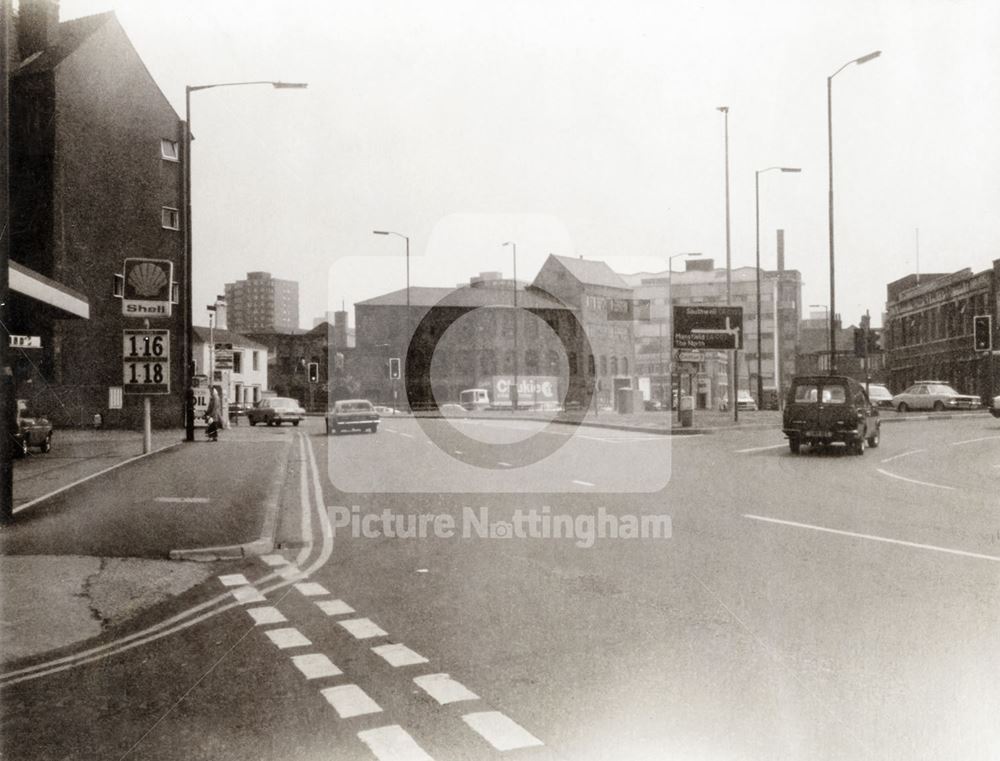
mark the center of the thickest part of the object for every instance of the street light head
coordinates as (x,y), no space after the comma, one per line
(790,169)
(510,243)
(867,58)
(289,85)
(723,109)
(380,232)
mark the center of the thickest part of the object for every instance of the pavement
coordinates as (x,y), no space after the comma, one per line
(60,589)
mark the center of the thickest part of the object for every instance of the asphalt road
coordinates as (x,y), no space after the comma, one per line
(819,606)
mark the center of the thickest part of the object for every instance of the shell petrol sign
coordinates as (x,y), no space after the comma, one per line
(147,288)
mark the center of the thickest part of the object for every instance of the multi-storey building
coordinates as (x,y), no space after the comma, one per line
(95,177)
(569,340)
(929,329)
(704,374)
(263,303)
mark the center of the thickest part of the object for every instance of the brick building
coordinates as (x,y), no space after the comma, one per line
(928,329)
(95,177)
(263,303)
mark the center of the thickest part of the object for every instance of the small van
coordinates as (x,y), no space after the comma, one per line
(475,399)
(823,409)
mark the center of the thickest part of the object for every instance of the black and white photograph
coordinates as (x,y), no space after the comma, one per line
(508,381)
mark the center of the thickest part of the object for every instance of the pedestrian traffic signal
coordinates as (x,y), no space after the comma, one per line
(313,372)
(982,332)
(860,349)
(394,370)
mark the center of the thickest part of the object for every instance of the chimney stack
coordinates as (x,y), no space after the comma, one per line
(781,250)
(220,312)
(37,26)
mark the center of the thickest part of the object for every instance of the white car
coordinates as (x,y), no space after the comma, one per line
(744,402)
(995,406)
(934,395)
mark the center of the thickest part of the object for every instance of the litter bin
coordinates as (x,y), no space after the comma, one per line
(687,411)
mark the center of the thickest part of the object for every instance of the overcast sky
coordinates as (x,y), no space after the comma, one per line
(578,128)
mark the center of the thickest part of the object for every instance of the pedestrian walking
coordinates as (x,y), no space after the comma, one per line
(214,415)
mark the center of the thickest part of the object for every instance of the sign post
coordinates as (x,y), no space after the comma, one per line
(712,327)
(146,371)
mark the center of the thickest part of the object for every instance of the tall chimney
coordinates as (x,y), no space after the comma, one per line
(781,250)
(340,329)
(220,312)
(37,26)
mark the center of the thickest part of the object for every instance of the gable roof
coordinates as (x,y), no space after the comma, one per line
(591,271)
(221,335)
(72,34)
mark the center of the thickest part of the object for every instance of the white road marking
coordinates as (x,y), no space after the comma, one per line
(582,483)
(393,743)
(234,580)
(350,700)
(424,570)
(500,731)
(505,464)
(390,430)
(762,449)
(266,615)
(363,628)
(315,665)
(274,560)
(444,689)
(973,441)
(458,451)
(311,589)
(290,571)
(407,435)
(398,655)
(915,481)
(248,594)
(903,454)
(287,637)
(334,607)
(874,538)
(183,500)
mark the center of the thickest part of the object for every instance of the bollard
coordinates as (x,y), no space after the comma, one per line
(687,411)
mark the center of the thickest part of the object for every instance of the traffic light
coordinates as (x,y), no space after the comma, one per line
(982,332)
(874,342)
(313,372)
(859,342)
(394,372)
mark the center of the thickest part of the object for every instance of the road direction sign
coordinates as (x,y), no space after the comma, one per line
(147,288)
(146,361)
(708,327)
(25,342)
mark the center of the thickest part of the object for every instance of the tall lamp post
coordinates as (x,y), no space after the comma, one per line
(188,258)
(409,319)
(670,316)
(513,393)
(760,377)
(829,133)
(729,272)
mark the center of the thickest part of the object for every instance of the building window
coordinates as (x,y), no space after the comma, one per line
(169,150)
(624,365)
(170,218)
(604,365)
(614,365)
(590,365)
(237,362)
(256,361)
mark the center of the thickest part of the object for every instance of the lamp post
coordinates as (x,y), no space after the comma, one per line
(760,377)
(513,394)
(670,316)
(188,258)
(729,272)
(829,134)
(409,319)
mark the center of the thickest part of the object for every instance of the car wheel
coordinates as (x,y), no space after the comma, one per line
(336,430)
(873,440)
(939,406)
(47,444)
(252,421)
(295,422)
(794,445)
(860,444)
(902,407)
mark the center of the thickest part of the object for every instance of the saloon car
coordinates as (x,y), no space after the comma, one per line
(31,430)
(352,414)
(934,395)
(276,410)
(880,395)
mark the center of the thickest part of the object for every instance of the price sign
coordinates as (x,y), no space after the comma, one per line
(146,361)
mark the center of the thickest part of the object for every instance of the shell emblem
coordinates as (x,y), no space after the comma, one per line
(147,279)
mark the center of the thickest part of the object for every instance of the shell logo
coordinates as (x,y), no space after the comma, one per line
(147,279)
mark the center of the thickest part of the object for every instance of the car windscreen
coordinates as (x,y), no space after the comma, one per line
(354,407)
(805,393)
(941,389)
(809,393)
(285,403)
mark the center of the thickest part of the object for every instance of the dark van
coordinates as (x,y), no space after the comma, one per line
(823,409)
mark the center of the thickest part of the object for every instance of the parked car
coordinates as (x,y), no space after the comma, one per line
(744,402)
(823,409)
(276,410)
(995,406)
(880,395)
(31,430)
(934,395)
(381,409)
(352,414)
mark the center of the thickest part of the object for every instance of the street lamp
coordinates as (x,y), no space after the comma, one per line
(729,271)
(513,394)
(829,133)
(188,258)
(670,316)
(760,377)
(826,315)
(409,319)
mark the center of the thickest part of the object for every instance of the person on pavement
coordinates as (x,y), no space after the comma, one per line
(214,415)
